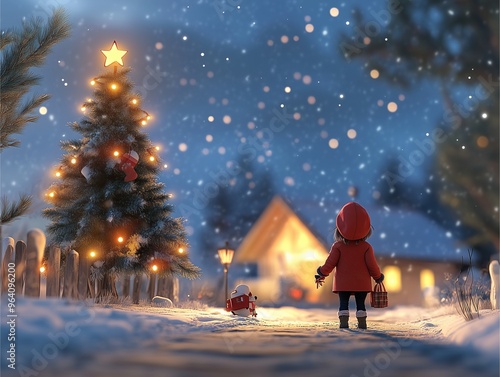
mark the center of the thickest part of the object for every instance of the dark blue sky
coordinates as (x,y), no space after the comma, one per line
(191,63)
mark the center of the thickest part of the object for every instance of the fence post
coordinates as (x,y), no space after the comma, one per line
(20,266)
(494,269)
(136,290)
(83,277)
(35,247)
(53,272)
(71,275)
(8,257)
(152,286)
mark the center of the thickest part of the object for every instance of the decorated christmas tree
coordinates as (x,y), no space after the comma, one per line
(107,203)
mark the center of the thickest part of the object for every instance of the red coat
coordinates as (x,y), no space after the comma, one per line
(354,263)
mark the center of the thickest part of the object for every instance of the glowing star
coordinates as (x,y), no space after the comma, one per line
(113,55)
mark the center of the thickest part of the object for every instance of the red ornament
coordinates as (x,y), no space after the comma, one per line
(127,164)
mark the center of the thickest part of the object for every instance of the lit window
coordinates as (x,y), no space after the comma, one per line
(426,279)
(392,280)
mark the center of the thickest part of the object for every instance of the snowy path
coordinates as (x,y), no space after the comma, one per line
(281,342)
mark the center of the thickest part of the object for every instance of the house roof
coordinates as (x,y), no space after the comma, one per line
(267,227)
(396,233)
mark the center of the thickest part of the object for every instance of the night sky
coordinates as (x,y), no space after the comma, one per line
(266,80)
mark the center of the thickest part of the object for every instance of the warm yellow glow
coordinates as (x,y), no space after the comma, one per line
(92,82)
(73,160)
(58,173)
(157,148)
(52,194)
(334,12)
(42,269)
(92,254)
(181,250)
(482,141)
(225,255)
(351,134)
(151,158)
(113,86)
(374,74)
(426,279)
(392,107)
(82,108)
(392,280)
(148,117)
(154,267)
(143,122)
(116,153)
(42,110)
(120,239)
(333,143)
(311,255)
(134,101)
(287,89)
(113,55)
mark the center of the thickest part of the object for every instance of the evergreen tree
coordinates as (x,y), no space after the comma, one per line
(21,51)
(108,199)
(231,214)
(458,45)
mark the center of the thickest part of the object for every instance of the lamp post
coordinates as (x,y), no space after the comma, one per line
(226,257)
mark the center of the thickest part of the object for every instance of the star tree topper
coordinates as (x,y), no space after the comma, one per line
(113,55)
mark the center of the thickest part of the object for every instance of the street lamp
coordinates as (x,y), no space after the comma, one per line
(226,257)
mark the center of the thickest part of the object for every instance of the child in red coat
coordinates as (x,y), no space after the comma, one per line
(354,261)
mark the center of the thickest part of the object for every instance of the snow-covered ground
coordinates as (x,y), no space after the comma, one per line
(62,338)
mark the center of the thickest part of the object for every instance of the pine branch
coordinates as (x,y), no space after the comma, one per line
(10,211)
(21,51)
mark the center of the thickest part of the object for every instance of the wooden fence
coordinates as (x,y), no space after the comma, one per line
(25,272)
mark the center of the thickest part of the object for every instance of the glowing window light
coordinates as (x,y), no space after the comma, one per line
(426,279)
(392,279)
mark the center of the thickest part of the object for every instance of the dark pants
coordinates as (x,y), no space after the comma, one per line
(360,300)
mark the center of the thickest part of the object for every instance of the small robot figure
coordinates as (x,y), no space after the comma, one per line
(242,302)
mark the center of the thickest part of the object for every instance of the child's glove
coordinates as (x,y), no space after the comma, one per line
(319,280)
(380,279)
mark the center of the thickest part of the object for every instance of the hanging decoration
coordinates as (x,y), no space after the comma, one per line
(86,172)
(113,55)
(128,162)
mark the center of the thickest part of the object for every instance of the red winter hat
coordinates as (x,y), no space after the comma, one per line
(353,222)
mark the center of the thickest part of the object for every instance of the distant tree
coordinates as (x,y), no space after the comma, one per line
(22,50)
(458,44)
(231,214)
